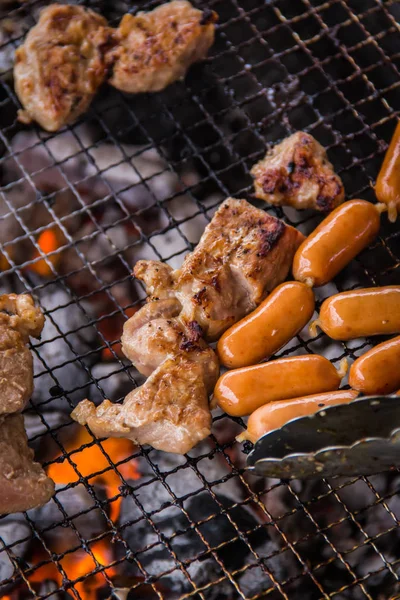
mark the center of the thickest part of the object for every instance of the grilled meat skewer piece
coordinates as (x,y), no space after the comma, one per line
(23,482)
(61,65)
(297,173)
(156,48)
(19,318)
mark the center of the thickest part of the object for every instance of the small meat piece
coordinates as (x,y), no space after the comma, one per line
(154,49)
(297,173)
(24,484)
(19,319)
(153,334)
(61,65)
(157,278)
(169,411)
(243,254)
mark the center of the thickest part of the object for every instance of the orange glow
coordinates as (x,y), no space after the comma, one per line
(91,460)
(76,565)
(48,241)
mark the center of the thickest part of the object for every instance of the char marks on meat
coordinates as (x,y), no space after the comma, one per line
(24,484)
(242,255)
(156,48)
(297,173)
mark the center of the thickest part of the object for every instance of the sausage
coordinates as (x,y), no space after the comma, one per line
(387,187)
(275,414)
(360,313)
(241,391)
(336,241)
(276,321)
(377,371)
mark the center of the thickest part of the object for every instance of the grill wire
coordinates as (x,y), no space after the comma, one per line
(329,68)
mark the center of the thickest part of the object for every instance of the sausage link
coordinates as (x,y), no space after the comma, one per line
(276,321)
(360,313)
(377,371)
(242,391)
(276,414)
(336,241)
(387,186)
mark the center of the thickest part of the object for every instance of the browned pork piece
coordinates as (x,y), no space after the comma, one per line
(19,319)
(156,48)
(243,254)
(23,482)
(169,411)
(61,65)
(297,173)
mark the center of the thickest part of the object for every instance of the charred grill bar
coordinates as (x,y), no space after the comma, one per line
(139,177)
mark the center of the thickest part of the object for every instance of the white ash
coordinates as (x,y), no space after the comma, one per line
(12,529)
(113,382)
(65,336)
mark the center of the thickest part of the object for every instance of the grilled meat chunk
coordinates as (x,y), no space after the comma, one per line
(169,411)
(61,65)
(156,48)
(19,319)
(297,173)
(24,484)
(157,278)
(154,334)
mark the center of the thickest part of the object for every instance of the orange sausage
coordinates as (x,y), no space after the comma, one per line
(275,414)
(336,241)
(242,391)
(378,370)
(276,321)
(360,313)
(387,186)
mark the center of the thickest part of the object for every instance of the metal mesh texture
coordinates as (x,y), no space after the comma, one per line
(329,68)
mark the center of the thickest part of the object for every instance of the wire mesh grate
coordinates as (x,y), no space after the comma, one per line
(140,177)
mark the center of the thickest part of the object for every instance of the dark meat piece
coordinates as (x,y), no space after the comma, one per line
(169,411)
(23,482)
(156,48)
(297,173)
(19,318)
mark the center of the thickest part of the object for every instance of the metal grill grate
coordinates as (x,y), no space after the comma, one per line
(330,68)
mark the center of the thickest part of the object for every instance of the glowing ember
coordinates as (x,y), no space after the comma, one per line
(92,460)
(48,242)
(77,565)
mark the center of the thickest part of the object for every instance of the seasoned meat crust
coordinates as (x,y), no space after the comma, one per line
(154,49)
(23,482)
(61,65)
(297,173)
(169,411)
(19,319)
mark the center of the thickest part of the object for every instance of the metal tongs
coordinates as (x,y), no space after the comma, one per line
(359,438)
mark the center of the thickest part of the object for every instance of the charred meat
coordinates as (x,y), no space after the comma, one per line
(297,173)
(24,484)
(61,65)
(154,49)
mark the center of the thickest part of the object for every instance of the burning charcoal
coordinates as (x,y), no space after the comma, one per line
(56,527)
(113,382)
(58,353)
(12,529)
(215,530)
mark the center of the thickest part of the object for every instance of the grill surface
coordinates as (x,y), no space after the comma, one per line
(330,68)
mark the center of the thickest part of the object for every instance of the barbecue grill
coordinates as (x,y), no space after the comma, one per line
(197,526)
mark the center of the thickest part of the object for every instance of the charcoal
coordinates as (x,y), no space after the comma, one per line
(113,382)
(12,529)
(58,346)
(187,544)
